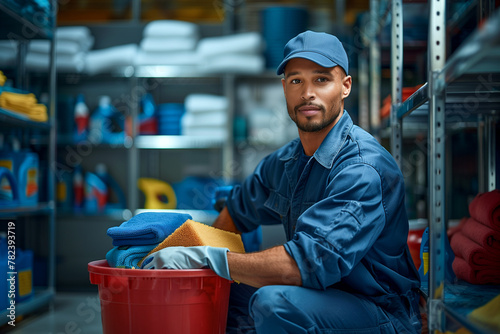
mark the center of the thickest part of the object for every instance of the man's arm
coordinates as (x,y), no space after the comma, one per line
(269,267)
(272,266)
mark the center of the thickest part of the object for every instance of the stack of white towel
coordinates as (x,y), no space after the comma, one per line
(206,115)
(72,45)
(237,53)
(168,42)
(107,59)
(8,52)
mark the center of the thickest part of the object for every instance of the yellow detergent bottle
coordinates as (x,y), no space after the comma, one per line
(159,194)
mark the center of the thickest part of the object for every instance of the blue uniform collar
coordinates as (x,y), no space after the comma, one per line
(330,146)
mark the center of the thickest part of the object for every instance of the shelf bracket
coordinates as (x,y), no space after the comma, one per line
(437,232)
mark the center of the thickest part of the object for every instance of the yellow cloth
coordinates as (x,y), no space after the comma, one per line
(488,314)
(3,78)
(25,104)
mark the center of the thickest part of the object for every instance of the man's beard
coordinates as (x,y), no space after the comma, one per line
(315,126)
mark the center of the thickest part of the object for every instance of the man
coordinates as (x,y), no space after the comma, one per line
(340,196)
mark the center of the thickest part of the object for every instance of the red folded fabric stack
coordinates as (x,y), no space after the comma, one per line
(476,241)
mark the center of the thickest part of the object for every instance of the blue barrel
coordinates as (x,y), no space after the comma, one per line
(279,25)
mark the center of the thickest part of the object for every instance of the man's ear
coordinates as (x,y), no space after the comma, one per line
(346,84)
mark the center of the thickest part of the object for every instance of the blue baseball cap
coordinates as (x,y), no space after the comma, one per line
(324,49)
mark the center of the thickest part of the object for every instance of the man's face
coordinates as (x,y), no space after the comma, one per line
(314,94)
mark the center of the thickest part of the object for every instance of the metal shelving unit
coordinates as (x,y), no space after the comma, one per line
(15,26)
(471,74)
(181,142)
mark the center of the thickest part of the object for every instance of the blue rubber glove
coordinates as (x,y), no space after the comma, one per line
(196,257)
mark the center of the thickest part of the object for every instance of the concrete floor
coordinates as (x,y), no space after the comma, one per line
(76,313)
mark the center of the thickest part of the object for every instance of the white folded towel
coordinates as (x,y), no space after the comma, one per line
(233,63)
(168,44)
(168,28)
(105,60)
(186,58)
(64,63)
(249,42)
(62,47)
(7,57)
(214,133)
(201,120)
(79,34)
(10,45)
(205,102)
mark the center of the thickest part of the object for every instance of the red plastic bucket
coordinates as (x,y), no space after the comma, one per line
(160,301)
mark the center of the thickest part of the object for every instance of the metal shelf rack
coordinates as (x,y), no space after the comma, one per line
(462,89)
(16,27)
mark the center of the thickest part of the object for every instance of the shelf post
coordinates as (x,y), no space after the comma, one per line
(437,231)
(374,69)
(490,126)
(396,78)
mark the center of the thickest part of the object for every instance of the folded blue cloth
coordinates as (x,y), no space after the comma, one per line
(128,256)
(147,228)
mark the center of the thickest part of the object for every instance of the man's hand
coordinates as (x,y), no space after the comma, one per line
(197,257)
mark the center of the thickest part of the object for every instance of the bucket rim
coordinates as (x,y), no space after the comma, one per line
(101,267)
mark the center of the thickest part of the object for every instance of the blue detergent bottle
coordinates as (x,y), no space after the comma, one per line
(24,269)
(424,258)
(24,165)
(113,188)
(4,298)
(107,125)
(96,194)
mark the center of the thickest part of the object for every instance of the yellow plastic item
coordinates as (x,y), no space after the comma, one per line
(155,190)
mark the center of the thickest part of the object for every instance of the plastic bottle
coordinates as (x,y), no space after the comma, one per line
(107,125)
(4,298)
(78,189)
(96,193)
(81,119)
(113,187)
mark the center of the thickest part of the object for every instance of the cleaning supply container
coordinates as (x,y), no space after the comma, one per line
(192,301)
(416,230)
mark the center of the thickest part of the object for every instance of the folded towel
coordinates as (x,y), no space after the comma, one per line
(64,63)
(233,63)
(488,313)
(128,256)
(147,228)
(168,44)
(215,133)
(483,235)
(9,44)
(25,104)
(205,102)
(473,253)
(105,60)
(184,58)
(80,34)
(243,43)
(207,120)
(483,275)
(167,28)
(62,47)
(8,56)
(485,208)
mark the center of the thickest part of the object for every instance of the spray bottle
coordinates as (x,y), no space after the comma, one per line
(81,119)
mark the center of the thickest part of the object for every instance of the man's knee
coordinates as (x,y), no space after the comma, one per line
(266,302)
